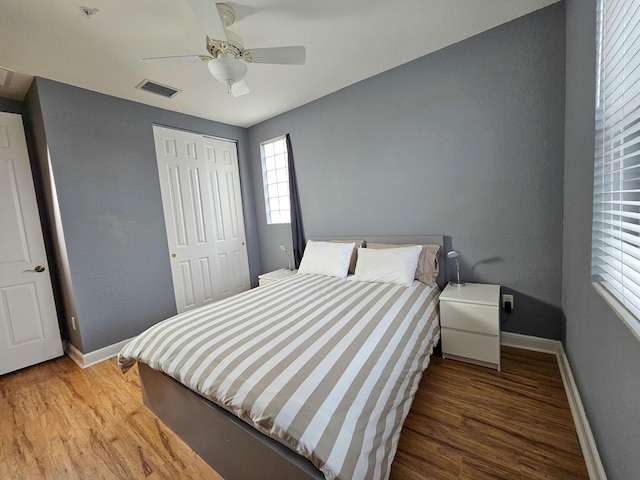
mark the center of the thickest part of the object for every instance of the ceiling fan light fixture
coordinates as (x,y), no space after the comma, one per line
(228,70)
(227,55)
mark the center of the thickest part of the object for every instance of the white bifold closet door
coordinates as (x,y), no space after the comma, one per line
(201,198)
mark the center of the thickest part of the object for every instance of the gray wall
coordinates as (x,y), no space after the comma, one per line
(58,260)
(603,353)
(11,106)
(103,161)
(465,142)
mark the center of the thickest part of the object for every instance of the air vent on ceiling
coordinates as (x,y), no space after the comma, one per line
(158,89)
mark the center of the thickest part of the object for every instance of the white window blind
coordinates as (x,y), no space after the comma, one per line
(275,175)
(616,197)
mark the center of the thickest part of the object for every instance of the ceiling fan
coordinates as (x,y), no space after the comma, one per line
(228,57)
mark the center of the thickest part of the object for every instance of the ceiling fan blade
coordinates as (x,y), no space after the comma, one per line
(209,18)
(161,61)
(240,88)
(281,55)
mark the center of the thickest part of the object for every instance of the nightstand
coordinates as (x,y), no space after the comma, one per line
(470,324)
(267,278)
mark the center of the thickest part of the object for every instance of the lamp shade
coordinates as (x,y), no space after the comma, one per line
(227,70)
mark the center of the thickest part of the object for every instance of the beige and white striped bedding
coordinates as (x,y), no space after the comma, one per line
(326,366)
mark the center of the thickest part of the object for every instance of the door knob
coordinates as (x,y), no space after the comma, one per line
(39,269)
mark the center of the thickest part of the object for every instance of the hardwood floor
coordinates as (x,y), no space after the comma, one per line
(471,422)
(60,422)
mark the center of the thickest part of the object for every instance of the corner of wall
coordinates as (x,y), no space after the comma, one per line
(47,201)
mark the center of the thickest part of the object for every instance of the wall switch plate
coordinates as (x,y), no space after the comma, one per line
(507,298)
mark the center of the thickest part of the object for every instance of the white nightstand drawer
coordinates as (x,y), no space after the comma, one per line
(467,316)
(485,348)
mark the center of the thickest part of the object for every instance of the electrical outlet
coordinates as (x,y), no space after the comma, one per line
(507,298)
(73,323)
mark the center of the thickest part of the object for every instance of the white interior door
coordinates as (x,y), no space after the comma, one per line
(203,216)
(29,331)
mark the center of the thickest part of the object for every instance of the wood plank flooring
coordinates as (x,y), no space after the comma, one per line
(61,422)
(470,422)
(58,421)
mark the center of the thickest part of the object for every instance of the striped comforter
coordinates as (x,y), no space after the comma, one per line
(326,366)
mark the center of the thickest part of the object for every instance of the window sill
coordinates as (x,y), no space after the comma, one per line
(623,314)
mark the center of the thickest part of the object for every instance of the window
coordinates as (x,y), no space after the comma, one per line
(275,175)
(615,264)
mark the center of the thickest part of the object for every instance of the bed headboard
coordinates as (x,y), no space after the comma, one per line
(442,240)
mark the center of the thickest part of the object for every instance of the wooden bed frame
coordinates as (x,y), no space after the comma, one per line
(231,446)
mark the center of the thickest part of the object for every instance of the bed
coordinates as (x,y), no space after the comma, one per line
(310,377)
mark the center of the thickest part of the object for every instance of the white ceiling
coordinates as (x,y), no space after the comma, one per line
(346,41)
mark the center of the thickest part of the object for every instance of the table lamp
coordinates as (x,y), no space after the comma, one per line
(455,254)
(286,252)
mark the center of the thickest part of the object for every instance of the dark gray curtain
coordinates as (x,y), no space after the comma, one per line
(297,230)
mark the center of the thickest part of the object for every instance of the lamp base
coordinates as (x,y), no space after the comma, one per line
(457,284)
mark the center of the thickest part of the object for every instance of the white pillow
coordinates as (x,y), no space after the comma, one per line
(389,265)
(326,258)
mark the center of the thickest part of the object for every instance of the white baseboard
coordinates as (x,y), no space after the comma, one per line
(85,360)
(583,429)
(587,442)
(527,342)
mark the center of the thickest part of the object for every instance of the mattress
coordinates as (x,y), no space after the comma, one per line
(326,366)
